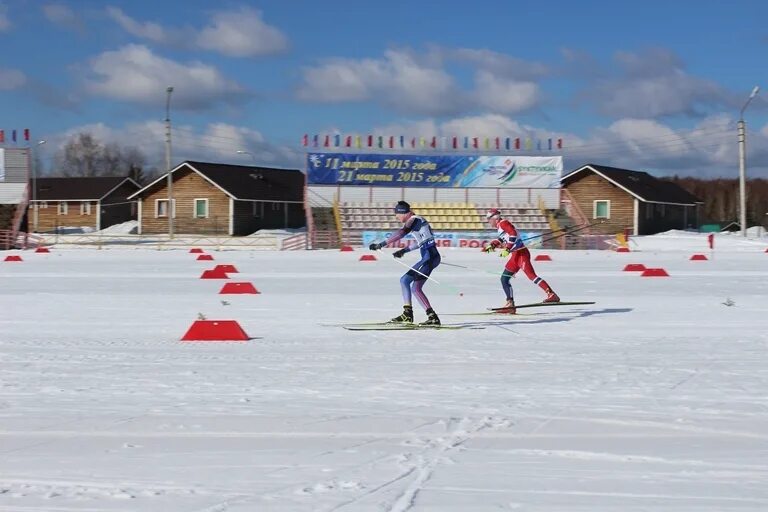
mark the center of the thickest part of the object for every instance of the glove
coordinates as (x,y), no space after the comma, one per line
(375,247)
(488,248)
(504,253)
(399,253)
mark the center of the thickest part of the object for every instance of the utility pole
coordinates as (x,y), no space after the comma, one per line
(35,206)
(169,90)
(743,164)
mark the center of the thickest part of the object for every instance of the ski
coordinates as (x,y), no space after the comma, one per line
(537,304)
(407,327)
(487,313)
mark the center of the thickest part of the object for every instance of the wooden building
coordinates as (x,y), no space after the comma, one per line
(633,201)
(97,203)
(221,199)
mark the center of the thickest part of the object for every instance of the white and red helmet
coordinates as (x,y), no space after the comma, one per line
(493,212)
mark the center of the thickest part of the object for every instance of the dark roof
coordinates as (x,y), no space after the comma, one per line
(245,182)
(248,182)
(74,189)
(640,184)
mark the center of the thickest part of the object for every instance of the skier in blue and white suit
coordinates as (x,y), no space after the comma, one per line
(413,281)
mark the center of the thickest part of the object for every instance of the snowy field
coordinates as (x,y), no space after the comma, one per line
(653,399)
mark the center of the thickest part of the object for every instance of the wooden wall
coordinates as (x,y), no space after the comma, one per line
(187,186)
(591,187)
(50,220)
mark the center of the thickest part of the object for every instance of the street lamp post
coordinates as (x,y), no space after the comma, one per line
(34,186)
(168,91)
(742,165)
(243,152)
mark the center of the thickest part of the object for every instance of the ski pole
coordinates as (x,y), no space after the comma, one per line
(410,267)
(449,287)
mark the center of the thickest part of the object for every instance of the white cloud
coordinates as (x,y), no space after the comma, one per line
(399,80)
(11,79)
(147,30)
(420,84)
(241,33)
(235,33)
(499,64)
(63,16)
(655,84)
(5,23)
(133,73)
(504,95)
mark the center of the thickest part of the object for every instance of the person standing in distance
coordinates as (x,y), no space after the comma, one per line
(412,282)
(519,258)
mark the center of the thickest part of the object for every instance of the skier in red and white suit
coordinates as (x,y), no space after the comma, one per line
(519,258)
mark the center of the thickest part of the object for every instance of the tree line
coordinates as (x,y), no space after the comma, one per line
(721,199)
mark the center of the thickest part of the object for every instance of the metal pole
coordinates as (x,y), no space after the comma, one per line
(742,179)
(169,90)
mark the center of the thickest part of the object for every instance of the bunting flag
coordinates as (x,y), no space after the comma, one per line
(389,141)
(2,136)
(26,133)
(13,135)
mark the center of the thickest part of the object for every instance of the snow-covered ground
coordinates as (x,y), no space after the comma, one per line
(655,398)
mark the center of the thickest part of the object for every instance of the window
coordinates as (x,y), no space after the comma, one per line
(161,208)
(85,208)
(648,212)
(201,209)
(276,207)
(43,205)
(63,208)
(601,210)
(258,209)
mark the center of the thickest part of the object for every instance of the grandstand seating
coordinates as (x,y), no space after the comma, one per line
(442,216)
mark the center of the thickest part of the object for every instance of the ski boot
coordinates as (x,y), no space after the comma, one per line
(405,318)
(551,297)
(509,307)
(432,319)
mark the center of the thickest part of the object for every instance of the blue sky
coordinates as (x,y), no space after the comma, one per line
(654,85)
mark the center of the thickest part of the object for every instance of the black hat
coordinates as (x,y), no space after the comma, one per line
(402,207)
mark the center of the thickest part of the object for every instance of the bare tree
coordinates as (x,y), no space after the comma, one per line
(84,155)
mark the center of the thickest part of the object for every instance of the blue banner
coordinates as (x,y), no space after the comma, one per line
(472,240)
(434,170)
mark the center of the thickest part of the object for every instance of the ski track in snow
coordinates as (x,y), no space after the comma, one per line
(654,398)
